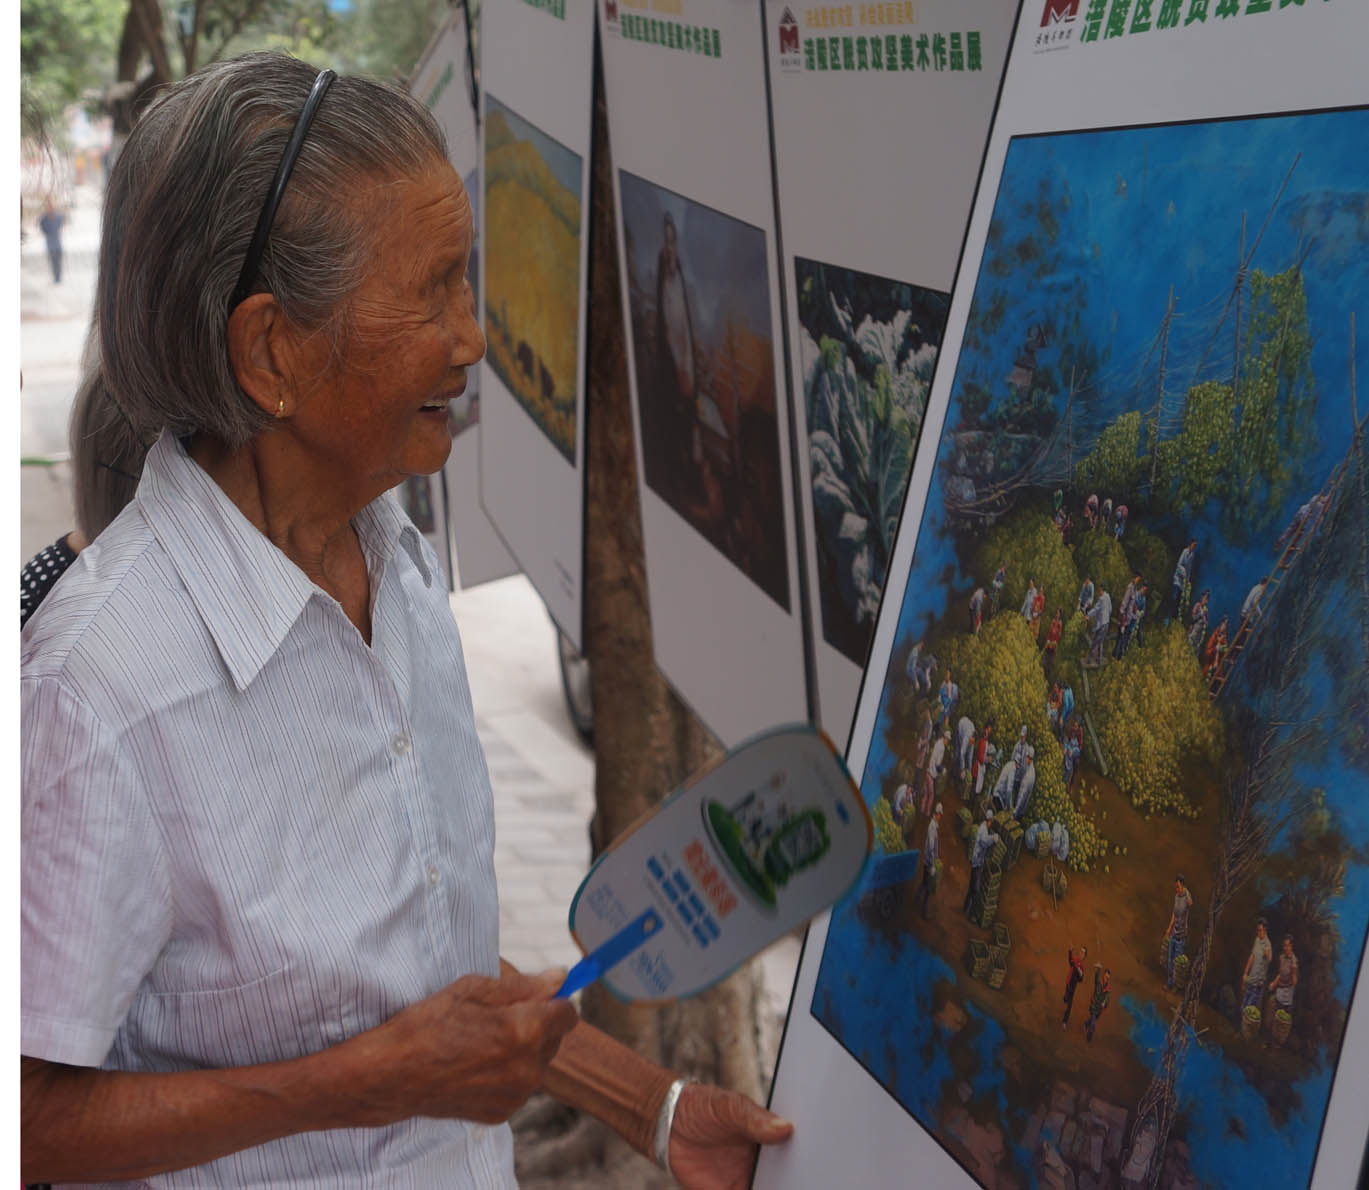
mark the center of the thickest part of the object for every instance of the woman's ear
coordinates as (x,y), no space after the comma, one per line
(258,352)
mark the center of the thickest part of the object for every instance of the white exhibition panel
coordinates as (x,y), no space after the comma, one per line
(537,88)
(1257,59)
(903,225)
(480,553)
(685,86)
(441,80)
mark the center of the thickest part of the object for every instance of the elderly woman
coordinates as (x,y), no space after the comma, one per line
(259,919)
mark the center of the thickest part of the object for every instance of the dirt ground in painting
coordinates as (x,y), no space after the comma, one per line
(1119,911)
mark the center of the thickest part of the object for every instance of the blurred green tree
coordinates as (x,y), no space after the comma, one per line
(117,52)
(66,50)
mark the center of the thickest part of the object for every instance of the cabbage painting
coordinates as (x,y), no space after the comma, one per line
(867,347)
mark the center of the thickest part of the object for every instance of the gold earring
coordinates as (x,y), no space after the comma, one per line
(280,408)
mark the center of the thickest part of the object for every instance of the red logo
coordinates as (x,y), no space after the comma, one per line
(789,33)
(611,9)
(1059,12)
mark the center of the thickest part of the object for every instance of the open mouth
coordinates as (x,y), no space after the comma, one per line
(439,405)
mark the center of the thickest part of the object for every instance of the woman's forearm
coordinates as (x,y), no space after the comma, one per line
(595,1073)
(474,1050)
(83,1124)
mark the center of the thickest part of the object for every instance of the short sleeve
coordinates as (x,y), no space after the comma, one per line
(95,905)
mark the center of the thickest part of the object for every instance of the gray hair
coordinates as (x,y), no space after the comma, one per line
(181,206)
(106,452)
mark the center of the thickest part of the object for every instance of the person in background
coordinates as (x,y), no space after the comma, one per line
(984,839)
(1053,634)
(977,600)
(1214,654)
(1086,594)
(1183,576)
(964,747)
(41,572)
(104,458)
(1099,617)
(1176,933)
(1197,624)
(1256,972)
(947,695)
(1102,994)
(1250,608)
(924,745)
(50,223)
(1285,981)
(1073,746)
(931,854)
(982,759)
(259,921)
(1073,980)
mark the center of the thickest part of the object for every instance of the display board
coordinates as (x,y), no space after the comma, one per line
(1145,420)
(685,86)
(536,74)
(442,81)
(868,270)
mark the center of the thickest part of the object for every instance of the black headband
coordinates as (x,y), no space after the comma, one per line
(252,262)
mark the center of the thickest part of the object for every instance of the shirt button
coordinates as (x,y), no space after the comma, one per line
(434,877)
(401,743)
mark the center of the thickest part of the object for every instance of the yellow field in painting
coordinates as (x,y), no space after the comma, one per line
(532,279)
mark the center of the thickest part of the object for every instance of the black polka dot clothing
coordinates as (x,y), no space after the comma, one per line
(37,578)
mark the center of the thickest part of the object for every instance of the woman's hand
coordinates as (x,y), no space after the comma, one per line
(713,1144)
(474,1050)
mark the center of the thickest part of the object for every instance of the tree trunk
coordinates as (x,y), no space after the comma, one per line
(141,36)
(646,743)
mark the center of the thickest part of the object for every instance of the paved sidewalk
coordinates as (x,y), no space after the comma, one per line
(542,775)
(54,320)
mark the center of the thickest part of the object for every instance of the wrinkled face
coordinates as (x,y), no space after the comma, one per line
(378,409)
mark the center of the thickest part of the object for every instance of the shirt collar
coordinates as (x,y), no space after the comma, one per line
(247,592)
(382,524)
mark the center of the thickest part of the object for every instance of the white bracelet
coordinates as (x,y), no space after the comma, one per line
(666,1121)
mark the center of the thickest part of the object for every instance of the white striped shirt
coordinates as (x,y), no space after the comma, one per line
(246,835)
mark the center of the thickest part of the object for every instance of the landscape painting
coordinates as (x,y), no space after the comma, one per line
(867,347)
(1120,769)
(702,339)
(532,272)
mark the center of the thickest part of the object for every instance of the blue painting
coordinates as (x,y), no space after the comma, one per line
(1125,721)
